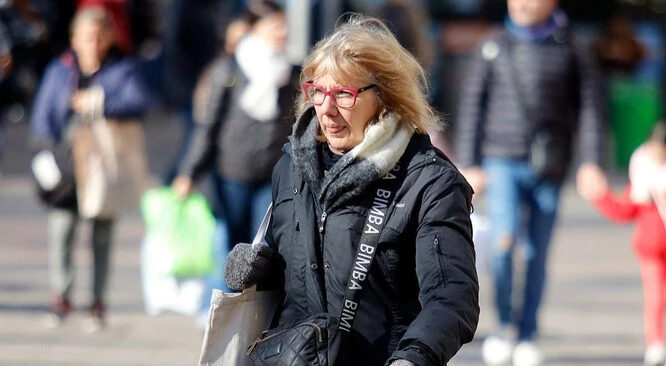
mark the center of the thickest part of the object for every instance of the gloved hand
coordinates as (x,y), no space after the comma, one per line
(247,265)
(401,363)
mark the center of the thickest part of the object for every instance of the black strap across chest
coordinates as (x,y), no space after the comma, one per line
(382,197)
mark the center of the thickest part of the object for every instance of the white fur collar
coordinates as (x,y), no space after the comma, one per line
(384,143)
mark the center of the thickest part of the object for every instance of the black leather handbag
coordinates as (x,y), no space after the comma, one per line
(310,342)
(316,340)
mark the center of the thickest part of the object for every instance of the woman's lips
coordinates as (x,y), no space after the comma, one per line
(334,129)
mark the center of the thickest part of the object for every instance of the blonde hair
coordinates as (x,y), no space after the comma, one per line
(364,48)
(92,14)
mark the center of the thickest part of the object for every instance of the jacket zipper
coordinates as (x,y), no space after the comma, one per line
(321,228)
(438,254)
(319,339)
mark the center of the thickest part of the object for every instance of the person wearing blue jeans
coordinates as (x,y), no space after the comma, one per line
(514,189)
(242,105)
(531,91)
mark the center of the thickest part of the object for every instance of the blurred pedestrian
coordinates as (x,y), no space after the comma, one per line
(528,92)
(644,201)
(242,103)
(70,84)
(363,116)
(203,97)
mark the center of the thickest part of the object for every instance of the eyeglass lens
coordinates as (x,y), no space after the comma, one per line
(343,98)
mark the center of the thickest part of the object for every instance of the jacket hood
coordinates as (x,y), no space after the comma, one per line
(384,143)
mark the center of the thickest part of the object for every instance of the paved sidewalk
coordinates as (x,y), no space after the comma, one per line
(132,338)
(592,312)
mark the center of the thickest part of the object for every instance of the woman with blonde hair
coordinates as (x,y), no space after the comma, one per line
(90,74)
(370,238)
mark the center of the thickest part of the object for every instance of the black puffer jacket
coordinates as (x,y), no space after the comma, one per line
(421,299)
(555,77)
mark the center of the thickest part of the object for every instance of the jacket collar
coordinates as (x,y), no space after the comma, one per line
(69,60)
(557,22)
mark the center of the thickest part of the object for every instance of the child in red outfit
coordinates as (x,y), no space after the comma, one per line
(644,200)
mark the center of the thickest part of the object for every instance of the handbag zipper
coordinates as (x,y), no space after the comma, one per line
(320,337)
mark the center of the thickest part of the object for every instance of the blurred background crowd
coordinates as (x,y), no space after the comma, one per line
(168,60)
(174,40)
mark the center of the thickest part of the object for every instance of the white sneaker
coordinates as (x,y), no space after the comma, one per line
(527,354)
(655,354)
(496,351)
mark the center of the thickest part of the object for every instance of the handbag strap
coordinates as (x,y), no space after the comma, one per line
(367,246)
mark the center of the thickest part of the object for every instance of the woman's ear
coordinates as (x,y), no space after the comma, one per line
(383,112)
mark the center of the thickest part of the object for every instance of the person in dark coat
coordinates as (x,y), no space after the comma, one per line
(528,92)
(68,89)
(362,114)
(243,100)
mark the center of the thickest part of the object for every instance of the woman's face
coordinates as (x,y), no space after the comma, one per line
(344,128)
(91,42)
(530,12)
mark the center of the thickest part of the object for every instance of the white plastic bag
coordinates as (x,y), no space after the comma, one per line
(161,290)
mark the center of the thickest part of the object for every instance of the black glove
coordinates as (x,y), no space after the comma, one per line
(247,265)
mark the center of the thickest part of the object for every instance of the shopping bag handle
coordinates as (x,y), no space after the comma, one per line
(259,238)
(263,228)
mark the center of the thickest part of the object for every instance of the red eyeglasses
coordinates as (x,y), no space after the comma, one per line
(343,97)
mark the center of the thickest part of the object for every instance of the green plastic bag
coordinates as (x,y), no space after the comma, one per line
(184,230)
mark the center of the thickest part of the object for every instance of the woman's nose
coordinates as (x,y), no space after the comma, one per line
(328,107)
